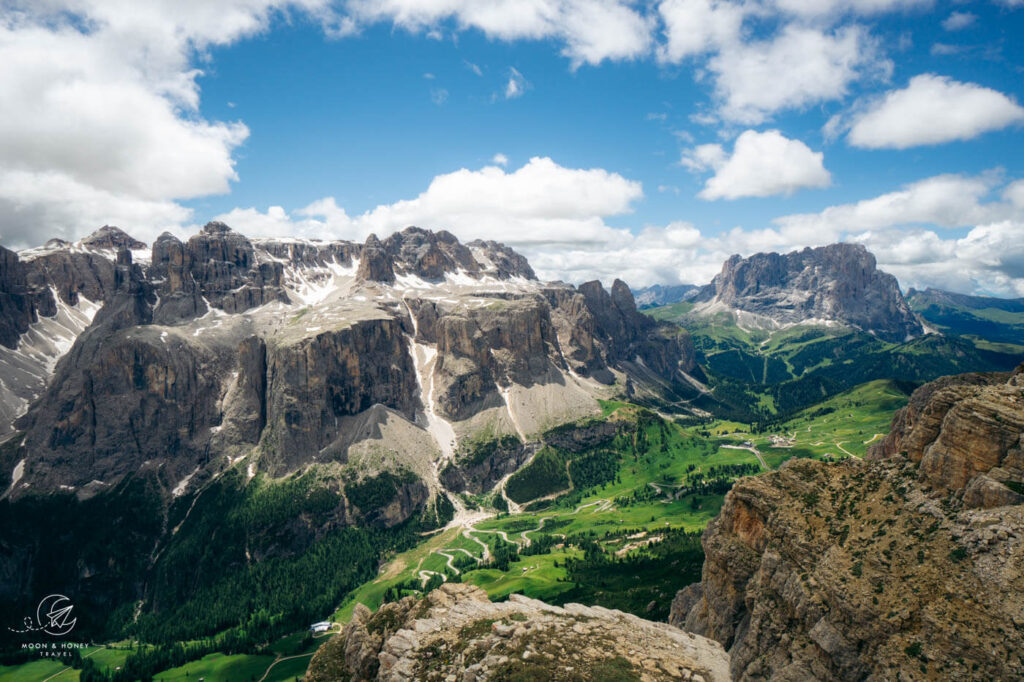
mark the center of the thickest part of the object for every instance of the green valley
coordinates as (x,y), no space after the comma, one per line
(612,511)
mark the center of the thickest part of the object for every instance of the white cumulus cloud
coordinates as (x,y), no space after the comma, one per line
(100,98)
(798,67)
(557,217)
(539,204)
(591,31)
(693,27)
(957,21)
(813,55)
(933,109)
(761,165)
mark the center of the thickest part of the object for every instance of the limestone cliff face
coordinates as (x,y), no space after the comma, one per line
(598,329)
(850,571)
(428,254)
(219,265)
(500,260)
(311,384)
(455,632)
(19,305)
(374,264)
(837,283)
(482,349)
(123,395)
(30,282)
(857,570)
(966,433)
(219,347)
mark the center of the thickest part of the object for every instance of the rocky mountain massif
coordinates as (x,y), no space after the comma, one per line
(289,353)
(908,566)
(312,405)
(835,284)
(456,633)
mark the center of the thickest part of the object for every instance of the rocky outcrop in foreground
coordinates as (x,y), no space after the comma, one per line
(456,633)
(836,283)
(966,434)
(878,570)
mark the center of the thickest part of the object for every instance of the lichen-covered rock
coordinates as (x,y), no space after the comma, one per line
(967,435)
(850,571)
(456,633)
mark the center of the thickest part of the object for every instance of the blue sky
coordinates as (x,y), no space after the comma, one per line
(603,138)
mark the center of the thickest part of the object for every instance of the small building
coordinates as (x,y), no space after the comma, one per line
(322,626)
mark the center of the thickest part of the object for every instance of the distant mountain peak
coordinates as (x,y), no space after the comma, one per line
(109,237)
(664,294)
(839,283)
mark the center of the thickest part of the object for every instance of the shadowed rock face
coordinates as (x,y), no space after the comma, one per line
(218,267)
(314,382)
(838,283)
(913,562)
(28,285)
(598,330)
(456,632)
(374,264)
(19,304)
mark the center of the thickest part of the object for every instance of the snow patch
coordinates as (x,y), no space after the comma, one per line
(17,474)
(179,489)
(26,369)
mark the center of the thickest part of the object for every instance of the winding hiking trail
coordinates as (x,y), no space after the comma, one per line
(840,446)
(522,541)
(282,659)
(669,495)
(602,505)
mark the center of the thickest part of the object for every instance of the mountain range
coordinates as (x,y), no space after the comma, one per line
(218,439)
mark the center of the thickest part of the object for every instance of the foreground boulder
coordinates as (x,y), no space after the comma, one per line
(455,633)
(966,433)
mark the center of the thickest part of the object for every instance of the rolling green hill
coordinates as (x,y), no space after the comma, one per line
(993,319)
(766,377)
